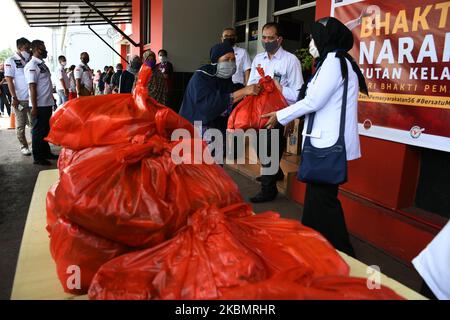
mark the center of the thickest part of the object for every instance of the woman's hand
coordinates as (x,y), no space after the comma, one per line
(278,85)
(252,90)
(273,121)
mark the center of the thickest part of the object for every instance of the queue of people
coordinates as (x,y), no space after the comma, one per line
(26,89)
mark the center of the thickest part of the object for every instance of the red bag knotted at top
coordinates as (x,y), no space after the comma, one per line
(104,120)
(247,113)
(134,193)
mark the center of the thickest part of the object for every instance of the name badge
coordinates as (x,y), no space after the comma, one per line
(315,133)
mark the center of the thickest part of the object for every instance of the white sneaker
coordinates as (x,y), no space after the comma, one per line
(25,151)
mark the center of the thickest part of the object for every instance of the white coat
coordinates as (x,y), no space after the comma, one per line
(324,96)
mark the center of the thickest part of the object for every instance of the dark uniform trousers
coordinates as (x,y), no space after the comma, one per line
(40,130)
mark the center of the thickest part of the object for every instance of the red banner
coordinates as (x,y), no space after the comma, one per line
(403,50)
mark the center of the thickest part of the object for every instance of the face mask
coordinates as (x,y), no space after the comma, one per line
(270,46)
(63,64)
(44,54)
(26,55)
(163,59)
(226,69)
(313,50)
(231,41)
(150,63)
(85,61)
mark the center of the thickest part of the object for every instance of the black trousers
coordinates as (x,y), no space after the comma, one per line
(41,128)
(323,212)
(269,182)
(5,99)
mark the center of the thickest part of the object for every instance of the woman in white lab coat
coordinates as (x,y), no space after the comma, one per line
(330,42)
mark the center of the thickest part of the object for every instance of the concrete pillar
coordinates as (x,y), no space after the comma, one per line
(265,15)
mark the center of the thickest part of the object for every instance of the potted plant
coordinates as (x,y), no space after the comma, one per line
(306,61)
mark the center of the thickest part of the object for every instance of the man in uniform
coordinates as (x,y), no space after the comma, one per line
(62,81)
(243,63)
(83,77)
(18,87)
(285,69)
(39,82)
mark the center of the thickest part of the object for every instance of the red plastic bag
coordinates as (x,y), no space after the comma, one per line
(98,121)
(52,217)
(135,194)
(202,258)
(107,119)
(247,113)
(200,262)
(299,284)
(285,244)
(79,252)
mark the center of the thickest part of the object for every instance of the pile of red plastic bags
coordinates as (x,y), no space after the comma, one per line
(140,226)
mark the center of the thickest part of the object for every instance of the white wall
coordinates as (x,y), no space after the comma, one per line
(79,39)
(191,28)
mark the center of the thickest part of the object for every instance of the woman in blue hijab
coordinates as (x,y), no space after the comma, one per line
(210,94)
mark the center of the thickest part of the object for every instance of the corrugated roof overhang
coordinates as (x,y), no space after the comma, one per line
(69,12)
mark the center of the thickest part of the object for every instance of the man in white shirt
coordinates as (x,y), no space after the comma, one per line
(243,63)
(39,82)
(286,70)
(83,77)
(18,87)
(62,83)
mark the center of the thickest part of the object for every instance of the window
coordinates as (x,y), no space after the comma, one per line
(246,24)
(285,4)
(253,31)
(281,5)
(240,33)
(241,10)
(254,9)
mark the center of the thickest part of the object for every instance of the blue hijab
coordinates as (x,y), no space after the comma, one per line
(208,96)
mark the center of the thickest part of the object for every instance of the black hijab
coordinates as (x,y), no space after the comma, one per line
(331,35)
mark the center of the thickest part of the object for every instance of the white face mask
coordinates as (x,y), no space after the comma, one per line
(313,49)
(26,55)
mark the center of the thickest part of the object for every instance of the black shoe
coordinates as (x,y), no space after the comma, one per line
(261,197)
(280,177)
(43,162)
(52,156)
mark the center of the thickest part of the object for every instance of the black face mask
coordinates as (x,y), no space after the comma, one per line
(85,61)
(44,54)
(230,41)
